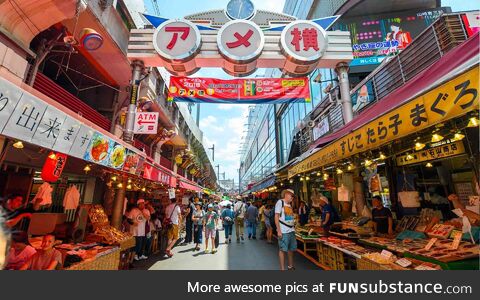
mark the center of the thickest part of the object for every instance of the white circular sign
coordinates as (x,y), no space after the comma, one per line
(177,40)
(240,41)
(304,41)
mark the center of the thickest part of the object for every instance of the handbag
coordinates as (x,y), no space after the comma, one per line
(167,222)
(408,197)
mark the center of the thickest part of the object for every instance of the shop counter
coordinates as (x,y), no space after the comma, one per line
(109,259)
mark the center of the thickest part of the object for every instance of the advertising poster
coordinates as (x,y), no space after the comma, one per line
(99,149)
(117,157)
(239,91)
(376,37)
(131,162)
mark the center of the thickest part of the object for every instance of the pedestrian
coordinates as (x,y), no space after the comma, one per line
(261,216)
(227,219)
(303,213)
(267,213)
(46,258)
(285,224)
(139,216)
(252,218)
(173,217)
(329,214)
(381,217)
(210,222)
(239,210)
(20,251)
(188,222)
(197,218)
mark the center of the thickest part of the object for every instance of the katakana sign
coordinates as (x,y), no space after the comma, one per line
(452,99)
(240,41)
(303,41)
(177,40)
(146,123)
(439,152)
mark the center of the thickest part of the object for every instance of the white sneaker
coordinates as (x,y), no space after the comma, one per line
(136,258)
(207,251)
(143,257)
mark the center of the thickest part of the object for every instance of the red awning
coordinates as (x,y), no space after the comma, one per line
(417,85)
(184,183)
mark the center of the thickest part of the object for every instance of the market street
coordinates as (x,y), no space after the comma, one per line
(251,255)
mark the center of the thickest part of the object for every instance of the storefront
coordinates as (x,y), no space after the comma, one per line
(413,154)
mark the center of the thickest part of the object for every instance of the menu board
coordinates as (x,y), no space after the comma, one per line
(99,149)
(117,156)
(131,162)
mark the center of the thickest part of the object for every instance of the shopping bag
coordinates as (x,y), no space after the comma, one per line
(409,198)
(217,238)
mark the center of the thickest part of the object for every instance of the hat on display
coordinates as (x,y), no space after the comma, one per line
(140,201)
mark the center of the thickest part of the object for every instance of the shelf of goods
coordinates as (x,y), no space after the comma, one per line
(104,260)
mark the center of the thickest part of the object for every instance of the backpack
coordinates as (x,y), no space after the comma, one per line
(240,214)
(228,219)
(167,222)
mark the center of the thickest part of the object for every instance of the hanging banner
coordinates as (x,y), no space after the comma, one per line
(447,101)
(239,91)
(439,152)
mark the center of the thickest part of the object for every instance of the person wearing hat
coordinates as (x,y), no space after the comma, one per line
(139,216)
(329,215)
(210,222)
(285,223)
(20,251)
(197,219)
(173,218)
(239,210)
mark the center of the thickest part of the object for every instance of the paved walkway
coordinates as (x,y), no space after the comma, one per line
(250,255)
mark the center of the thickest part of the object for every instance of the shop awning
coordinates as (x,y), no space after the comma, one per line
(268,182)
(184,183)
(416,86)
(159,174)
(446,90)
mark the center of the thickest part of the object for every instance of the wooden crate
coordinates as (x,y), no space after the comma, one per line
(367,264)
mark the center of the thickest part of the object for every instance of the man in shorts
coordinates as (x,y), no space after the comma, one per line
(285,223)
(174,213)
(210,223)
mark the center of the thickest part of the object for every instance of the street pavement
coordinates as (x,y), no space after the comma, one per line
(250,255)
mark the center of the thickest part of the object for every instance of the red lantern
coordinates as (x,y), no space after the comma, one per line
(53,167)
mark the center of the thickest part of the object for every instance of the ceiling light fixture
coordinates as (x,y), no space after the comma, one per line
(18,145)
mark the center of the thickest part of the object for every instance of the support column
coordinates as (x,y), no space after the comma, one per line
(342,72)
(117,211)
(358,192)
(137,71)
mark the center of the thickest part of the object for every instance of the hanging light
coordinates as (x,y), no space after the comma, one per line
(318,174)
(428,165)
(419,146)
(409,157)
(120,185)
(281,184)
(129,186)
(307,178)
(144,189)
(291,180)
(325,176)
(382,156)
(114,178)
(129,180)
(458,136)
(18,145)
(52,155)
(350,167)
(368,163)
(473,122)
(339,171)
(301,178)
(436,138)
(87,168)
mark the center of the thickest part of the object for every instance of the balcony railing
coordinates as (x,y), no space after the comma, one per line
(446,33)
(62,96)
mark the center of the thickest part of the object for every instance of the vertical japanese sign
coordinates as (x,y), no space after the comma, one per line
(452,99)
(9,97)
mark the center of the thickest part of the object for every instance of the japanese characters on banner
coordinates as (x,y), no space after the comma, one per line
(240,91)
(450,100)
(443,151)
(240,41)
(153,173)
(177,40)
(304,41)
(30,119)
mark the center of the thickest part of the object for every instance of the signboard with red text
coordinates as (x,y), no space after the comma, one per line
(146,123)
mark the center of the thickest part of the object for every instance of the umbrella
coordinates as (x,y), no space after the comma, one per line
(225,203)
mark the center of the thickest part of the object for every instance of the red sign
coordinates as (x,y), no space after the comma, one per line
(155,174)
(53,167)
(239,91)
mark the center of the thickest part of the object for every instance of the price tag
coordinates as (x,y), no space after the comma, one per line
(424,268)
(456,241)
(430,243)
(403,262)
(386,254)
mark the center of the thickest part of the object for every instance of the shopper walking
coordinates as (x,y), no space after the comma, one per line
(139,217)
(227,219)
(197,218)
(261,215)
(285,224)
(252,218)
(173,215)
(267,214)
(188,222)
(239,210)
(210,223)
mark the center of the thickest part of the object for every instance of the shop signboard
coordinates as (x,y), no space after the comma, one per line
(439,152)
(449,100)
(9,97)
(153,173)
(146,123)
(376,37)
(177,40)
(471,20)
(240,41)
(363,96)
(67,135)
(322,128)
(239,91)
(81,143)
(303,41)
(48,128)
(117,156)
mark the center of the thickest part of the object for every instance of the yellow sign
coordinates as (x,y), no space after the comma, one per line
(293,83)
(439,152)
(447,101)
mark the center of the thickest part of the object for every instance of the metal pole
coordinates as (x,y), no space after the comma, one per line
(213,152)
(198,115)
(342,72)
(239,182)
(137,71)
(118,204)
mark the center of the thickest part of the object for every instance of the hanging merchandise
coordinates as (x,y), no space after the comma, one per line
(408,196)
(343,194)
(53,167)
(44,193)
(71,198)
(374,184)
(171,193)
